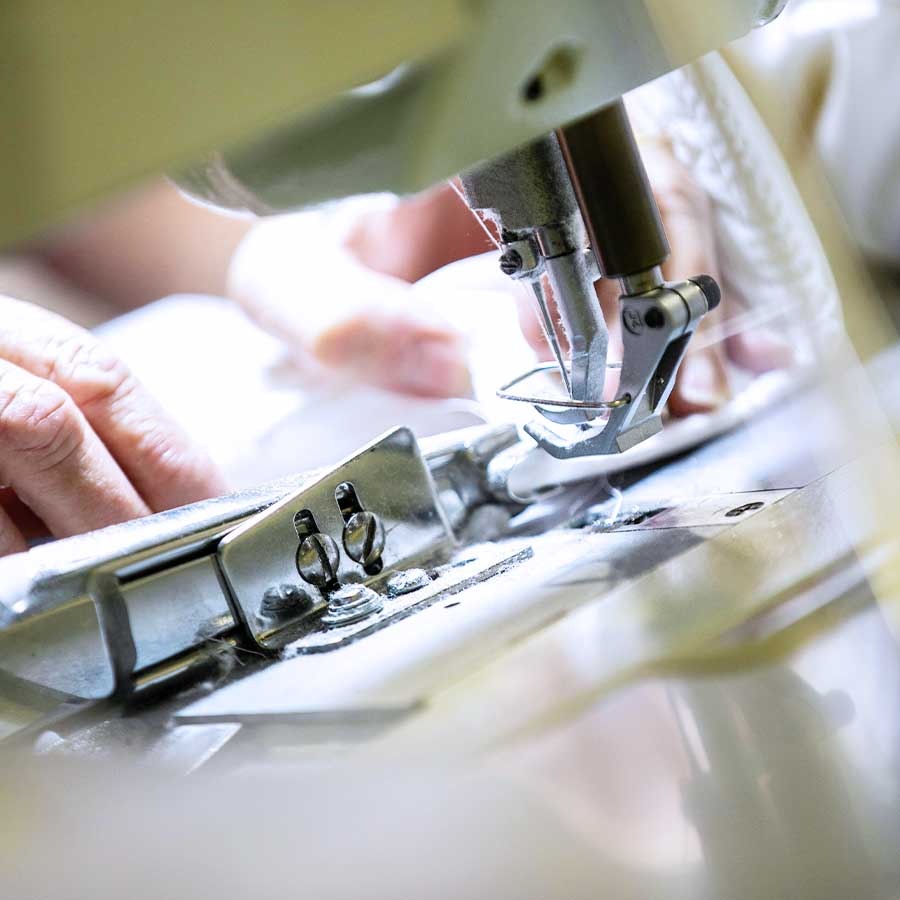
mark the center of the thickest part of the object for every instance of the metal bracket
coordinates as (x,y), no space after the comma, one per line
(281,566)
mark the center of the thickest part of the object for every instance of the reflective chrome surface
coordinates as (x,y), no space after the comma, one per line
(388,478)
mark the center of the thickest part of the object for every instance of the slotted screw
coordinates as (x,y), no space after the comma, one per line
(318,559)
(510,262)
(364,538)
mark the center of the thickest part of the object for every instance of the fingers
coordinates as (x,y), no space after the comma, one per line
(152,451)
(702,383)
(530,324)
(419,235)
(55,462)
(11,538)
(364,325)
(26,522)
(398,353)
(759,351)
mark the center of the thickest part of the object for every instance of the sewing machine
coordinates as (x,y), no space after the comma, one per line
(484,588)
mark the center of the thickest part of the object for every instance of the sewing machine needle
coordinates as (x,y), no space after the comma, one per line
(546,322)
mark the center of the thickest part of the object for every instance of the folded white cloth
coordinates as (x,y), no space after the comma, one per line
(837,63)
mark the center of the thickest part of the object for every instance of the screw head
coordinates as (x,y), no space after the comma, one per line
(350,604)
(747,507)
(406,581)
(632,320)
(364,538)
(281,600)
(510,262)
(318,559)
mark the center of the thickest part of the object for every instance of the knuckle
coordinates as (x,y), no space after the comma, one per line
(161,450)
(38,419)
(90,372)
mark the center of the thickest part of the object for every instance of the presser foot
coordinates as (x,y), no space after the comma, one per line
(657,326)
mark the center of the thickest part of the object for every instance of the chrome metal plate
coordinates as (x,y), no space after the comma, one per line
(478,564)
(389,478)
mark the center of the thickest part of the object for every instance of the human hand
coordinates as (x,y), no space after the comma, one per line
(82,444)
(335,308)
(371,328)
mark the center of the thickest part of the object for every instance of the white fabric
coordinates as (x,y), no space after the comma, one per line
(231,386)
(847,54)
(770,256)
